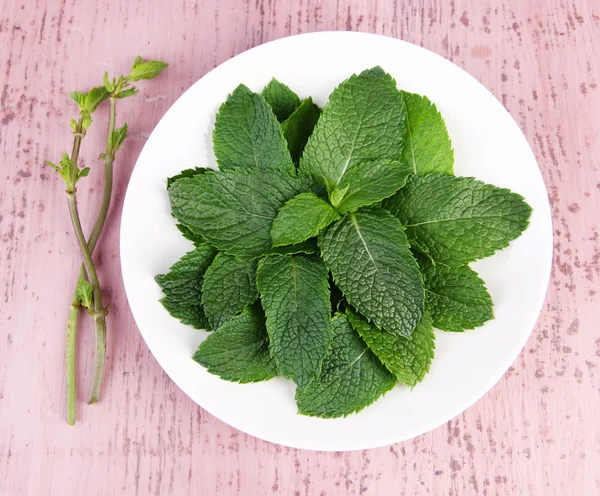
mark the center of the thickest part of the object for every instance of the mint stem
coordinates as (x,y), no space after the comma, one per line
(87,104)
(100,325)
(74,310)
(98,311)
(71,338)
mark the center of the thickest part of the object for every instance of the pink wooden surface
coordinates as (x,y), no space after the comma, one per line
(537,432)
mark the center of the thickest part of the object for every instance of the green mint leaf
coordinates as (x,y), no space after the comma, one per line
(188,313)
(65,162)
(369,257)
(229,286)
(73,124)
(146,70)
(82,173)
(337,194)
(298,127)
(183,282)
(456,296)
(118,136)
(84,293)
(128,92)
(191,235)
(78,98)
(137,61)
(282,100)
(368,183)
(351,377)
(375,72)
(65,169)
(233,209)
(307,247)
(427,145)
(107,84)
(301,218)
(239,352)
(54,166)
(409,358)
(186,173)
(247,134)
(295,295)
(95,97)
(86,122)
(456,220)
(363,120)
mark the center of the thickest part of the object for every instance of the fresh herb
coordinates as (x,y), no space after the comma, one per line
(283,101)
(457,220)
(89,294)
(229,286)
(239,351)
(301,218)
(347,228)
(352,377)
(294,292)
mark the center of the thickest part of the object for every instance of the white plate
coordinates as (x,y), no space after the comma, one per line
(488,145)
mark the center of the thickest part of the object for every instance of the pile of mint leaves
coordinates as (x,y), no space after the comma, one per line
(331,242)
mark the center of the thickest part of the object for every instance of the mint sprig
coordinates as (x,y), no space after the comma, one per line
(89,293)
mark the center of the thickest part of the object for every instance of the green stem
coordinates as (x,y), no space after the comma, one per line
(100,324)
(71,336)
(74,310)
(98,311)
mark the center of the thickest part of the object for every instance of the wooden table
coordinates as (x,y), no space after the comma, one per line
(536,433)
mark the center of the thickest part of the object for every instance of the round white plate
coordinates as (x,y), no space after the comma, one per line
(488,145)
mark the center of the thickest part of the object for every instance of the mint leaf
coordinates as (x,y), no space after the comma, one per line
(146,70)
(369,257)
(239,352)
(78,98)
(427,146)
(186,173)
(368,183)
(189,234)
(457,297)
(351,377)
(301,218)
(127,93)
(107,84)
(298,127)
(94,97)
(183,282)
(456,220)
(282,100)
(295,295)
(84,293)
(247,134)
(409,358)
(188,313)
(86,121)
(229,287)
(118,136)
(233,209)
(363,120)
(65,170)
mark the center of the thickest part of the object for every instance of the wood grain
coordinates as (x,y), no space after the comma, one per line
(536,432)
